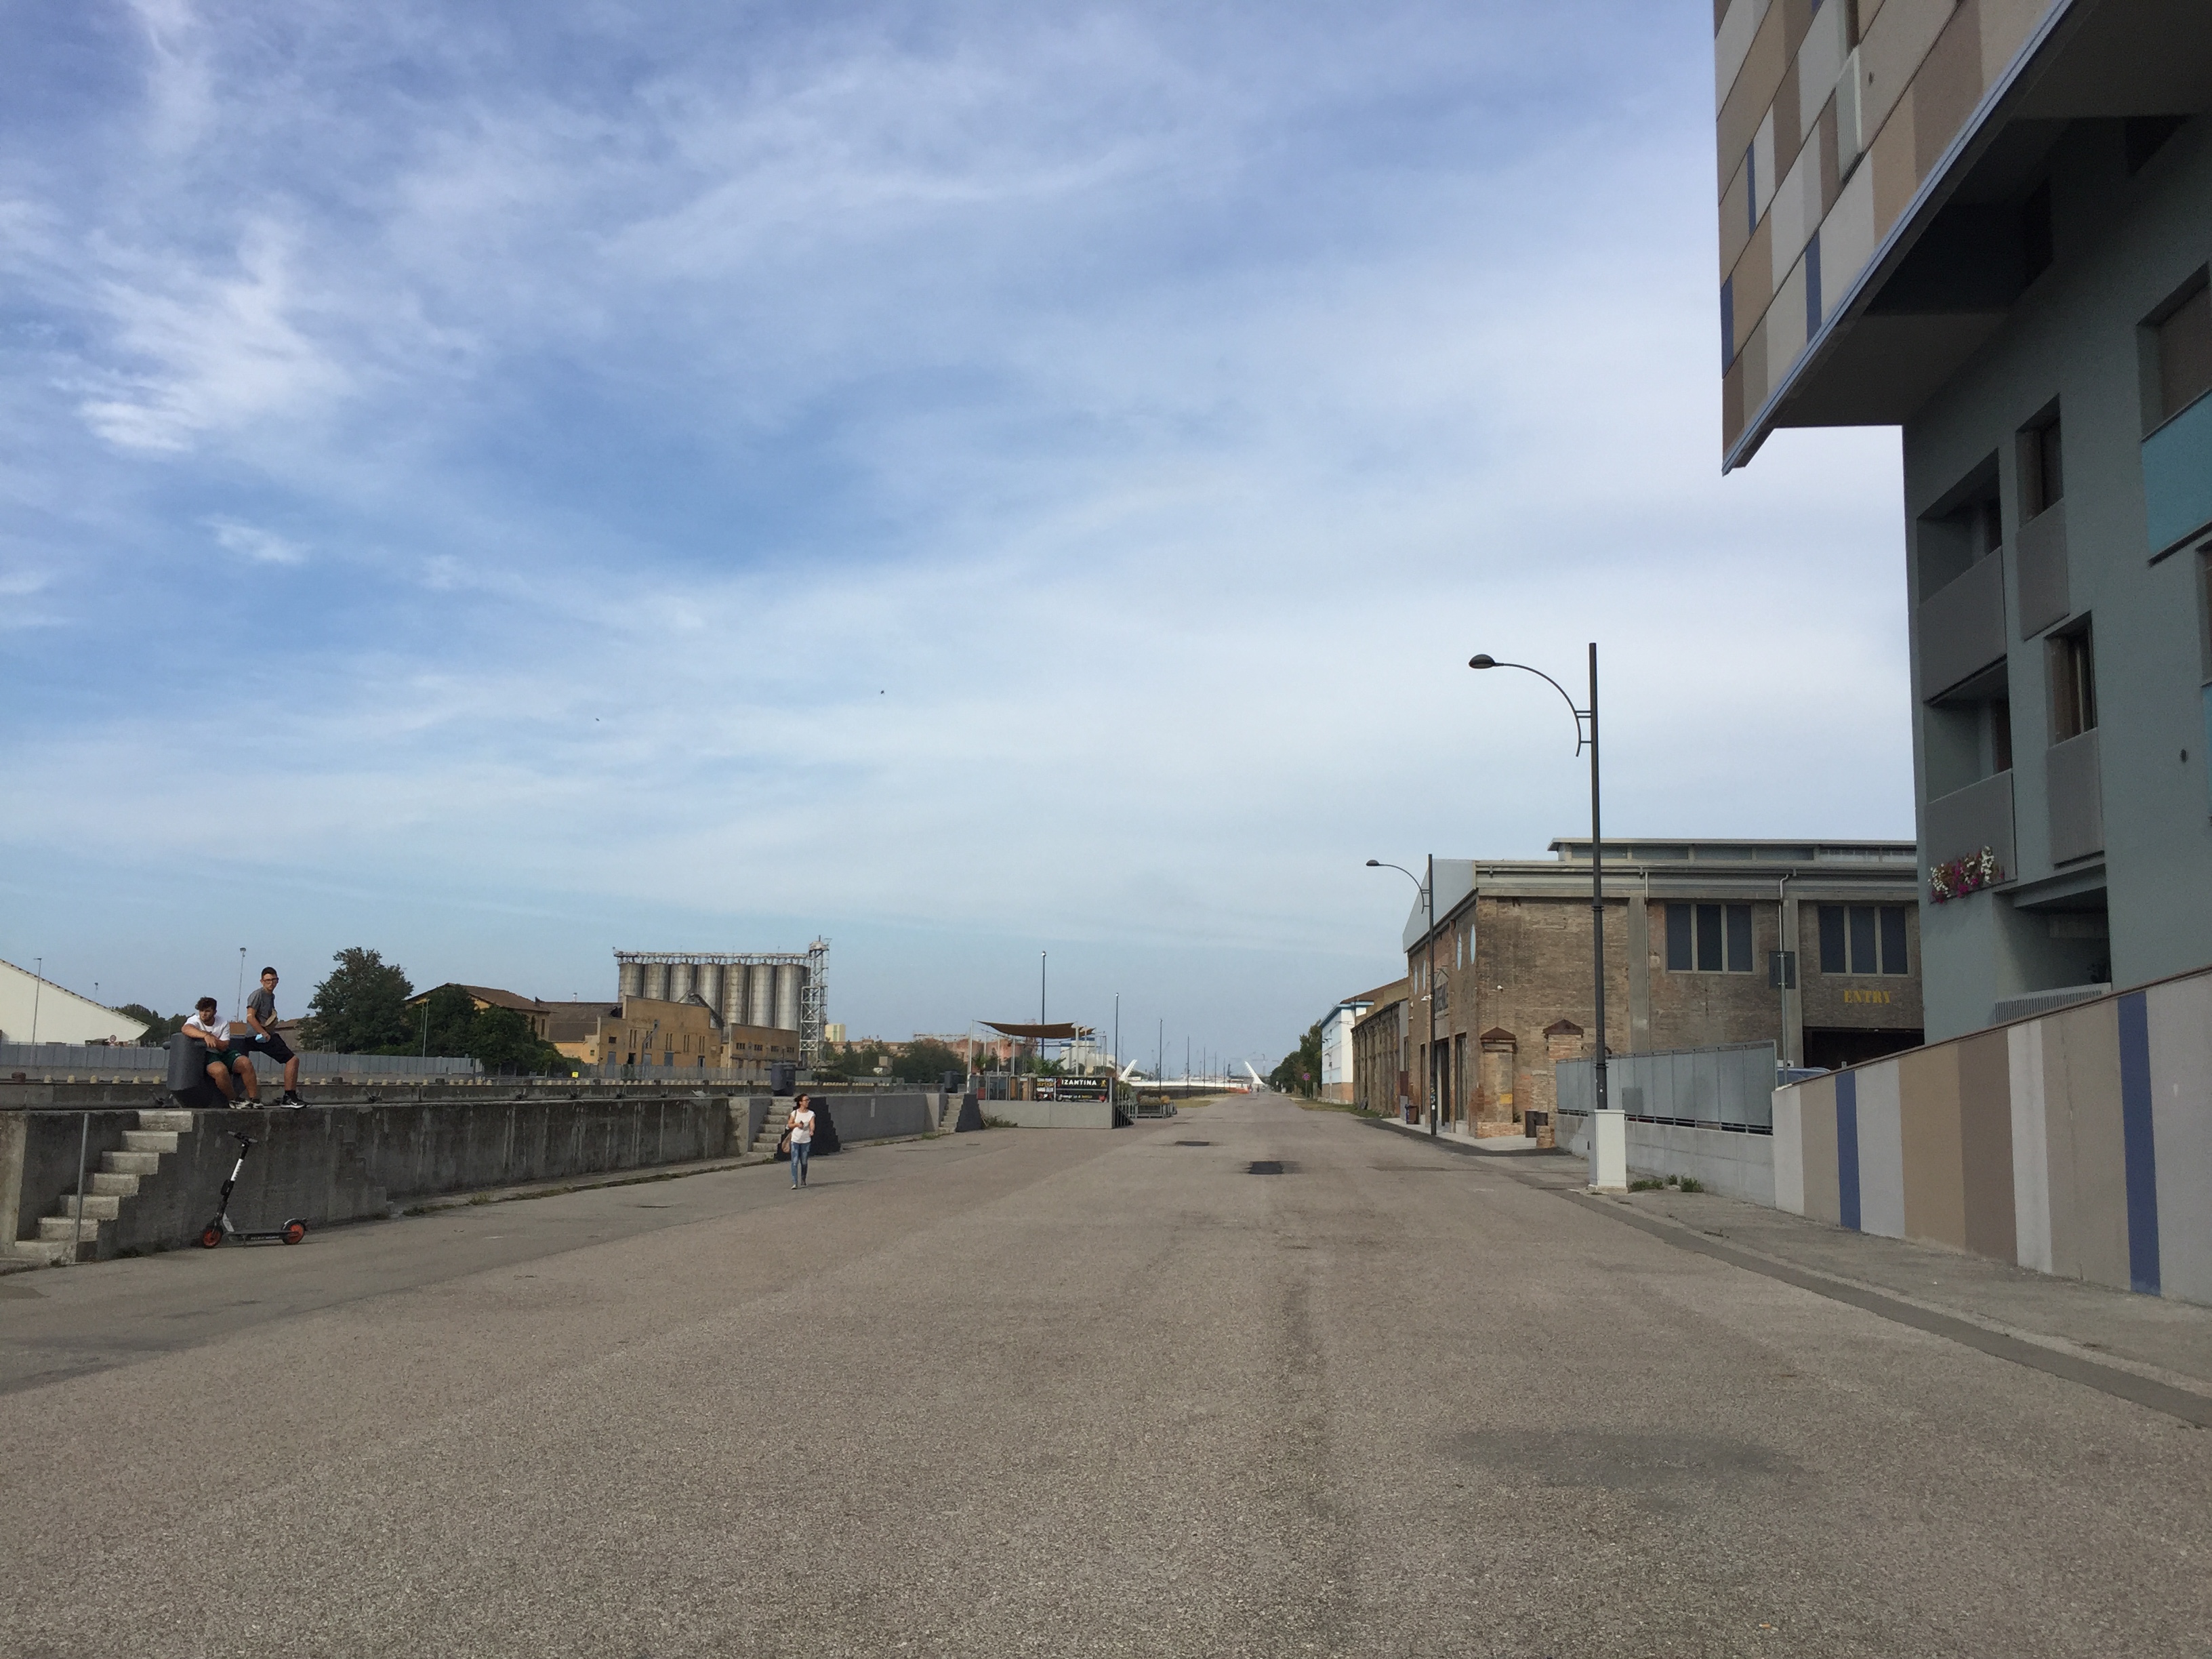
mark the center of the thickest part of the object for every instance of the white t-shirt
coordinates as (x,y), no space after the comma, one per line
(215,1032)
(802,1127)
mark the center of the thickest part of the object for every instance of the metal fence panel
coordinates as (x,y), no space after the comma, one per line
(97,1060)
(1728,1088)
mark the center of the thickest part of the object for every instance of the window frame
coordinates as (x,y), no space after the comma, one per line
(2073,674)
(1840,941)
(1688,925)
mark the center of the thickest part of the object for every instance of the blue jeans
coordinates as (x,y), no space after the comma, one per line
(800,1149)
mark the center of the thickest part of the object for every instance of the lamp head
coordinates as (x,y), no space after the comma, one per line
(1484,660)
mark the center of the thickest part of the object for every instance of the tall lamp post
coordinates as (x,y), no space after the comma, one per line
(1585,738)
(1428,890)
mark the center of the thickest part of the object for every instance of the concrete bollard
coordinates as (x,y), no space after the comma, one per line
(1608,1152)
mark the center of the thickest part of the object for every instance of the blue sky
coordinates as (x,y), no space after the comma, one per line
(501,484)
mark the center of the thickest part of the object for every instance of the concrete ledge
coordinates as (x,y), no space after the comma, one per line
(1050,1113)
(1727,1160)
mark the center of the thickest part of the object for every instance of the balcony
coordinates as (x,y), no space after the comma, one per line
(1967,820)
(2046,591)
(2177,464)
(2074,783)
(1961,627)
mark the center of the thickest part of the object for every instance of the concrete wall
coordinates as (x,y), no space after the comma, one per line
(1729,1162)
(2078,1144)
(880,1117)
(336,1163)
(1051,1114)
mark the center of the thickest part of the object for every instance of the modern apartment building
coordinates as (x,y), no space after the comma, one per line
(1988,222)
(1690,930)
(1336,1052)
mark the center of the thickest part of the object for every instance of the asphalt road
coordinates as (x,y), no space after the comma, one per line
(1059,1392)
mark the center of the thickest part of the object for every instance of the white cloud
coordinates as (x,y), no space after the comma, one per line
(251,542)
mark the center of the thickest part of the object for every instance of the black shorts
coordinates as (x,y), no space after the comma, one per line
(272,1045)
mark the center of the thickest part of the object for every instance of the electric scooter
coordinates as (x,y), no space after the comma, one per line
(222,1227)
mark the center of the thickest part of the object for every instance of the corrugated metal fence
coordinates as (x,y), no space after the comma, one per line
(95,1059)
(1727,1088)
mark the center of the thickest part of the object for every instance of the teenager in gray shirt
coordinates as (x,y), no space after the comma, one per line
(261,1037)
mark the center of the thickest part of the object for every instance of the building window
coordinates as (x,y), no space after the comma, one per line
(2183,346)
(2073,685)
(1708,939)
(1863,939)
(2042,468)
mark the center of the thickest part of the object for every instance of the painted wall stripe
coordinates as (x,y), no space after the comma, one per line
(1847,1146)
(2140,1143)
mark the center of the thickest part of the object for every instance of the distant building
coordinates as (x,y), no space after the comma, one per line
(1380,1058)
(1336,1060)
(1986,224)
(1690,927)
(834,1031)
(652,1032)
(486,996)
(33,1009)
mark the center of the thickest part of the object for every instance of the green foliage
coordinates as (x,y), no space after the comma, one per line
(505,1041)
(1299,1071)
(159,1029)
(925,1062)
(361,1008)
(444,1024)
(449,1023)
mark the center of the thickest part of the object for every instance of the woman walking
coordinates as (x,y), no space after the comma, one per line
(802,1140)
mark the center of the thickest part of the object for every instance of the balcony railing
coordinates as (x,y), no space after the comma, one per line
(1962,822)
(2074,781)
(2046,591)
(1961,627)
(2177,464)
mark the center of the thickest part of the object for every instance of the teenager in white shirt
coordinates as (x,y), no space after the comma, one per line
(214,1035)
(802,1140)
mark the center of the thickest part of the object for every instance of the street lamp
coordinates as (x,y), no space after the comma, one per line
(1428,890)
(1583,738)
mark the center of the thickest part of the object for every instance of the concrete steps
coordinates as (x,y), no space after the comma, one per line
(65,1236)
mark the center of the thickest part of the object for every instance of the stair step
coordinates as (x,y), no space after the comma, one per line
(134,1163)
(97,1205)
(48,1250)
(176,1122)
(149,1141)
(118,1184)
(60,1229)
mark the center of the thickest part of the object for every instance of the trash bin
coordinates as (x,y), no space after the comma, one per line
(782,1077)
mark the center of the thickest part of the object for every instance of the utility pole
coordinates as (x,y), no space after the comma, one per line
(38,981)
(1429,898)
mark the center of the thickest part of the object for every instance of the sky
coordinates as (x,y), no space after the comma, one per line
(978,482)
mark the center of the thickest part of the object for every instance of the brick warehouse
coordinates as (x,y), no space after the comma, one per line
(1689,927)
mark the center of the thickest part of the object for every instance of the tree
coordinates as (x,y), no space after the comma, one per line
(927,1060)
(1299,1074)
(159,1029)
(445,1024)
(361,1008)
(505,1040)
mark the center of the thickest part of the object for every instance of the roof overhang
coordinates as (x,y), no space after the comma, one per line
(1946,277)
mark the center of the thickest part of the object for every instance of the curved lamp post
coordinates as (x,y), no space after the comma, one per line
(1428,890)
(1585,738)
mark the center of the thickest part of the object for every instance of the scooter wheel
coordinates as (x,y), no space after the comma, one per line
(295,1231)
(209,1237)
